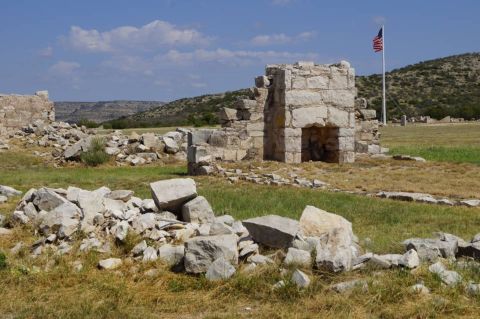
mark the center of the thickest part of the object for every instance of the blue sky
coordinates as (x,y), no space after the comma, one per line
(162,50)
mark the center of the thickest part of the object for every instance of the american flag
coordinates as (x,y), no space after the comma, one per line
(378,41)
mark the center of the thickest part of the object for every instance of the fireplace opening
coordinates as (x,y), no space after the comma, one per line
(320,144)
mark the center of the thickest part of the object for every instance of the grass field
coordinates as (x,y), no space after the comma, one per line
(56,291)
(458,143)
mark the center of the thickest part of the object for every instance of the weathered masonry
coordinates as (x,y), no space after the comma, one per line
(17,111)
(297,112)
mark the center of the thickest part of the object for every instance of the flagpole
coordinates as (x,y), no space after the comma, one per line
(384,101)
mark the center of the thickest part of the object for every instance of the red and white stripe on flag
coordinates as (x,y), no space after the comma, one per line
(378,41)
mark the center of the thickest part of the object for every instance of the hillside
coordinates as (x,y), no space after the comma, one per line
(100,111)
(440,87)
(199,110)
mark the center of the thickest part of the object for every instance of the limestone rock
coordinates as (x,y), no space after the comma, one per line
(347,286)
(202,251)
(300,279)
(46,199)
(63,221)
(123,195)
(9,191)
(20,217)
(334,252)
(220,269)
(410,259)
(420,289)
(198,210)
(110,263)
(173,193)
(170,254)
(139,248)
(315,222)
(5,231)
(298,257)
(171,145)
(272,230)
(150,254)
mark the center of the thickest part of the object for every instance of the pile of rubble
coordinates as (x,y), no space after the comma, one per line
(69,141)
(6,192)
(180,228)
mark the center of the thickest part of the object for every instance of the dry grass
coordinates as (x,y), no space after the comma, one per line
(47,287)
(367,175)
(451,135)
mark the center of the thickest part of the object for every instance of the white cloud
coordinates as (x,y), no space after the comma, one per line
(64,68)
(281,38)
(235,57)
(153,35)
(46,52)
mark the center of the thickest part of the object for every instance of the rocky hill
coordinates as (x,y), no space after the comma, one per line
(199,110)
(102,111)
(440,87)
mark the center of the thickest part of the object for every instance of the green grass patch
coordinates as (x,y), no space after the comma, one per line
(463,154)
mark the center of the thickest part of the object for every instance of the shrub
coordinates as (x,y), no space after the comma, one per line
(88,123)
(96,154)
(3,261)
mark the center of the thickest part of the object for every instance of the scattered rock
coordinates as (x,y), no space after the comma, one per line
(171,255)
(110,263)
(298,257)
(150,254)
(201,251)
(9,191)
(198,210)
(272,230)
(220,269)
(420,289)
(300,279)
(5,231)
(410,259)
(347,286)
(470,202)
(173,193)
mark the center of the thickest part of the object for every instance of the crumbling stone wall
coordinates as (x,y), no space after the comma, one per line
(17,111)
(367,136)
(296,112)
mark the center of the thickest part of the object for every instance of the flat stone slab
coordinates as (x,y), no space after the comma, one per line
(171,194)
(406,196)
(272,230)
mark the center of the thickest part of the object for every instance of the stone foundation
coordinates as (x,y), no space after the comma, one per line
(17,111)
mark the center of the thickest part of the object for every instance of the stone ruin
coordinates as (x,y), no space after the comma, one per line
(17,111)
(297,113)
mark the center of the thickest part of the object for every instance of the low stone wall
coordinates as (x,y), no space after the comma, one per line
(17,111)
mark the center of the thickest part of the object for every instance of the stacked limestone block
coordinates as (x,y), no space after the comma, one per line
(306,95)
(240,138)
(17,111)
(367,135)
